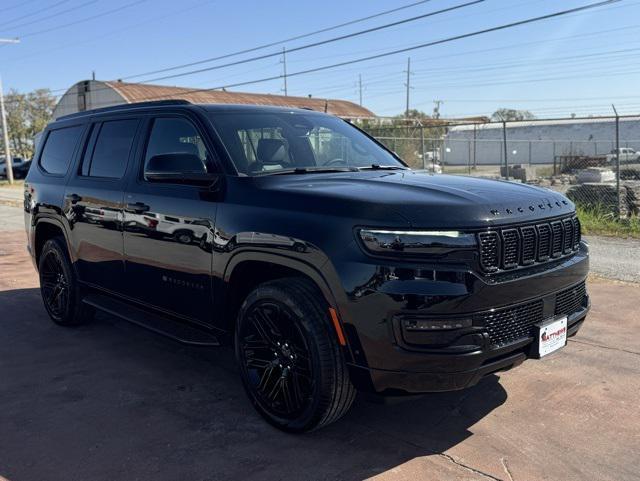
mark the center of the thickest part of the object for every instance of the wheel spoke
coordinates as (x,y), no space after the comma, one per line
(264,379)
(263,327)
(275,390)
(257,363)
(287,395)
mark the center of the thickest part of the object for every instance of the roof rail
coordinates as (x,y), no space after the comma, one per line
(133,105)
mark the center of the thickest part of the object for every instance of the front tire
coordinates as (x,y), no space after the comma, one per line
(291,364)
(59,286)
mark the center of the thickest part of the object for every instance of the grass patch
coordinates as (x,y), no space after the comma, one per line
(597,221)
(17,184)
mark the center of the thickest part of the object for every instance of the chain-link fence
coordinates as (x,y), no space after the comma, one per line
(594,161)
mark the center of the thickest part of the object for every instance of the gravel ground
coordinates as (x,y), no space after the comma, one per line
(615,258)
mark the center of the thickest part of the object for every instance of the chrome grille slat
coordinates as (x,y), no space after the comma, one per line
(510,247)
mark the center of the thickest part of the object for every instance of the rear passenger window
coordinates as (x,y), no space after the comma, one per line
(58,149)
(111,150)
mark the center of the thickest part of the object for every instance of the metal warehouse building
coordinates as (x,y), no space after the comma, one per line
(93,94)
(537,142)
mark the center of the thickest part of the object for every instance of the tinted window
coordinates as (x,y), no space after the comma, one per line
(111,149)
(176,136)
(271,142)
(58,149)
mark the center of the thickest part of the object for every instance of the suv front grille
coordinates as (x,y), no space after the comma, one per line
(571,300)
(512,324)
(509,248)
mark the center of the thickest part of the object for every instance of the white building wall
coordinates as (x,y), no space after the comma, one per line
(537,142)
(96,95)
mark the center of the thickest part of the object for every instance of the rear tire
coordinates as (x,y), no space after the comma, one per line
(59,286)
(291,364)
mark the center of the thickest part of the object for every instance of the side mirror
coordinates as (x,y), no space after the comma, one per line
(178,168)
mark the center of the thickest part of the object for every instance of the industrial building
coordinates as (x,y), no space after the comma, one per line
(93,94)
(537,142)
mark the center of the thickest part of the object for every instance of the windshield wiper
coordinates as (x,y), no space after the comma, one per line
(309,170)
(383,167)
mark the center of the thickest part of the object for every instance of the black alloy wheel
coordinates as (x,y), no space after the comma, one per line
(291,364)
(54,284)
(277,359)
(60,290)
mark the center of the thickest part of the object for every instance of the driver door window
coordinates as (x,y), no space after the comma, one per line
(176,136)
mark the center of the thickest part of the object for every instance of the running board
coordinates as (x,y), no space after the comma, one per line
(176,330)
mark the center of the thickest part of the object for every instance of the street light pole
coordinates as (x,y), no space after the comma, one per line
(3,119)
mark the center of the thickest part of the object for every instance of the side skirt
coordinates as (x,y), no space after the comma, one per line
(177,330)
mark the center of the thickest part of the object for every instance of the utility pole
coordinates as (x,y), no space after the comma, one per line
(360,87)
(284,64)
(5,137)
(408,85)
(617,160)
(3,119)
(436,108)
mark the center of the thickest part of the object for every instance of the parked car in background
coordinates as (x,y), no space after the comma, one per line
(627,155)
(20,167)
(305,244)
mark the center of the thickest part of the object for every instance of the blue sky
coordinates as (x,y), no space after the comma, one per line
(579,64)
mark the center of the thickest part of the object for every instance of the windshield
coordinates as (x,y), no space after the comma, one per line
(270,143)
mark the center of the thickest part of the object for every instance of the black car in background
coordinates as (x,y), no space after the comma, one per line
(20,167)
(315,252)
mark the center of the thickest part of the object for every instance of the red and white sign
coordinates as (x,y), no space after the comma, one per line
(553,336)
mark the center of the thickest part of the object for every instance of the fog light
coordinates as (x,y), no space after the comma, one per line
(435,324)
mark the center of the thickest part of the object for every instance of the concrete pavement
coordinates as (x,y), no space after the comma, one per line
(109,401)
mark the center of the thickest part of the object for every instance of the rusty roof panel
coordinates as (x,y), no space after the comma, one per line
(135,92)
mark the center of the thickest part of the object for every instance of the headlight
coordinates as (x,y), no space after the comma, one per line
(395,242)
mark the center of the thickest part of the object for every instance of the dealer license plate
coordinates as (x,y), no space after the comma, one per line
(552,336)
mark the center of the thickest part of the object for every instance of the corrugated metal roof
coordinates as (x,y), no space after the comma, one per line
(136,92)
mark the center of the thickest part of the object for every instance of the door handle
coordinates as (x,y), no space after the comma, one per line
(74,198)
(137,207)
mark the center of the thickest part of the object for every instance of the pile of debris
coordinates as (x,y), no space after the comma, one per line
(603,196)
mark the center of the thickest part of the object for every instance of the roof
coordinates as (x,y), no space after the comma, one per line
(137,92)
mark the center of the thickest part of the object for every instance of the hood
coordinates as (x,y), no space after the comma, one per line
(419,199)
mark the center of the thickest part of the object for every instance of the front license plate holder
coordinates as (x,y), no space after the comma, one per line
(550,336)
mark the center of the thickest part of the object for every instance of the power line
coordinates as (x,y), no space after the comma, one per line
(13,7)
(40,10)
(278,42)
(49,17)
(424,45)
(630,28)
(172,13)
(85,19)
(316,44)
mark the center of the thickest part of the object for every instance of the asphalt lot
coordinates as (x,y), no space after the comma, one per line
(108,401)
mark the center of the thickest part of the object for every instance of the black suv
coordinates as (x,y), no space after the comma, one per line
(293,236)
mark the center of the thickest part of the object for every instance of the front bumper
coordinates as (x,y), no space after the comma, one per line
(386,359)
(474,366)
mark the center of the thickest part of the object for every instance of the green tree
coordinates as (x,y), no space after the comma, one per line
(27,115)
(506,115)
